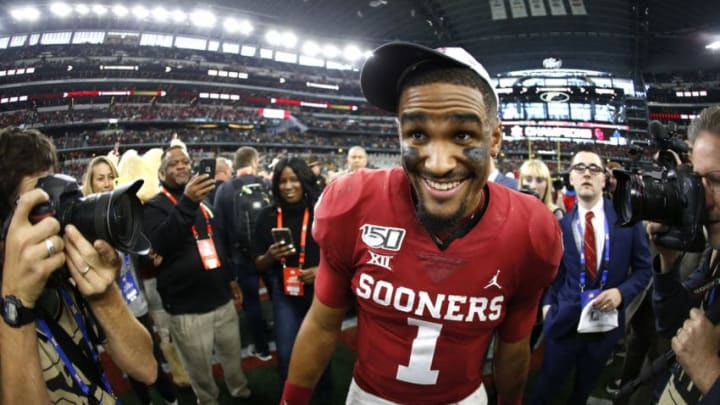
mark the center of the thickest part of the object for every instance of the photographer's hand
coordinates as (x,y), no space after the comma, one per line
(32,252)
(199,187)
(92,266)
(696,346)
(668,257)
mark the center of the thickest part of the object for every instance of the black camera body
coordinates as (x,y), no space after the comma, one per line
(528,191)
(113,216)
(672,195)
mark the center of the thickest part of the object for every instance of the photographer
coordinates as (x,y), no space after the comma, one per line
(694,341)
(37,305)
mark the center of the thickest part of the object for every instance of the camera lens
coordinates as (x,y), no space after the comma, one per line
(644,197)
(121,223)
(115,217)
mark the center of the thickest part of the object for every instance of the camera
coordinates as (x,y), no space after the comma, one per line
(671,194)
(527,190)
(113,216)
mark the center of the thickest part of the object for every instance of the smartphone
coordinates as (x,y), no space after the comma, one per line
(282,235)
(207,166)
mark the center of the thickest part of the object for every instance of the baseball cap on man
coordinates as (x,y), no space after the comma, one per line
(383,72)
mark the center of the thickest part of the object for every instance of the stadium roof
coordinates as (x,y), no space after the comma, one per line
(623,37)
(620,36)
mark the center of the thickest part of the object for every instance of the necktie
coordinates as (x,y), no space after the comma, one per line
(589,246)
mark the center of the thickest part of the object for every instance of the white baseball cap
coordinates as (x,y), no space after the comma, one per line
(383,72)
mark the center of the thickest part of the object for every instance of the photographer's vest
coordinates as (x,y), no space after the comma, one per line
(680,390)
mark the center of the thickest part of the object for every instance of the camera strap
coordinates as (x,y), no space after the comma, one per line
(79,359)
(710,285)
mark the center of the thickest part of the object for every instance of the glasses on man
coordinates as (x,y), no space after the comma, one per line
(711,180)
(580,168)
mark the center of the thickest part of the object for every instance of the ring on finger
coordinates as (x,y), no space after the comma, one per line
(84,272)
(50,246)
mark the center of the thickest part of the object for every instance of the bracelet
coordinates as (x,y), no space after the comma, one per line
(296,395)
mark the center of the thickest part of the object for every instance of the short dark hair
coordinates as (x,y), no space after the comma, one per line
(429,73)
(708,120)
(304,174)
(589,148)
(23,152)
(166,156)
(245,156)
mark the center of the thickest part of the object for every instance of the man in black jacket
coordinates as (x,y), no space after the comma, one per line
(193,278)
(243,266)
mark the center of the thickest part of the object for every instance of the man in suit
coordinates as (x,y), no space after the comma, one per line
(596,263)
(499,178)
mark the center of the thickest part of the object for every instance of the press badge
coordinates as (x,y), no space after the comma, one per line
(129,286)
(208,254)
(292,284)
(587,296)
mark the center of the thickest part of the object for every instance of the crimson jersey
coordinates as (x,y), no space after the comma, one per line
(425,315)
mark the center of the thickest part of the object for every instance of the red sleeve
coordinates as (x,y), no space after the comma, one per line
(335,215)
(539,270)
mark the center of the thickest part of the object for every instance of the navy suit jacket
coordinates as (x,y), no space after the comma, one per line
(629,270)
(506,181)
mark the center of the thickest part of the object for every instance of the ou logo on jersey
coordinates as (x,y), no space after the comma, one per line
(382,237)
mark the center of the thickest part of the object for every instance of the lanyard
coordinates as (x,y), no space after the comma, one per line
(303,235)
(204,211)
(606,255)
(86,338)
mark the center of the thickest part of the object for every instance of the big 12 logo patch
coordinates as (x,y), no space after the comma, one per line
(382,237)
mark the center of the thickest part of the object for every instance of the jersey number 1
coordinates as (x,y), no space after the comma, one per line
(418,370)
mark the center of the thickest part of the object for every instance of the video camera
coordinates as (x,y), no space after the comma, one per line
(113,216)
(672,195)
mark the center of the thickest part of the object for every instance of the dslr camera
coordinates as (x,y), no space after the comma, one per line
(113,216)
(670,193)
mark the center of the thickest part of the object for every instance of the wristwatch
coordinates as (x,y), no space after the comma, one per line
(14,313)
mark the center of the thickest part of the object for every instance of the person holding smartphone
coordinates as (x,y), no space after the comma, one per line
(283,245)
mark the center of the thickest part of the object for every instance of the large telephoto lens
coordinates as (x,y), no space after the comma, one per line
(115,217)
(639,197)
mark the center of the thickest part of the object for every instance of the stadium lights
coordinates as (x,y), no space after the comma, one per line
(99,10)
(289,40)
(202,18)
(179,16)
(273,37)
(140,12)
(82,9)
(352,53)
(25,13)
(230,24)
(159,14)
(330,51)
(60,9)
(311,48)
(245,27)
(120,11)
(713,45)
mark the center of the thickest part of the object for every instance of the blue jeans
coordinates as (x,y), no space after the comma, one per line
(249,278)
(288,314)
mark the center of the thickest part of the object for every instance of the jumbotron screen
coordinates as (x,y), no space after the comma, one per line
(564,113)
